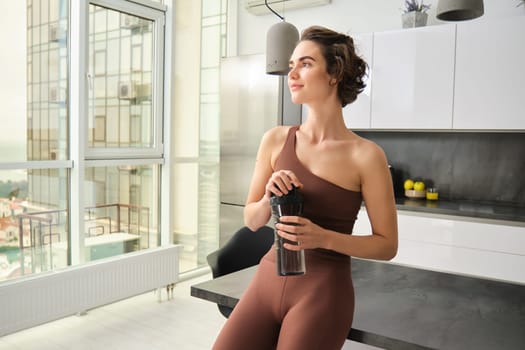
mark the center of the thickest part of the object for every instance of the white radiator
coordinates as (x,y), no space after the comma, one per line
(49,296)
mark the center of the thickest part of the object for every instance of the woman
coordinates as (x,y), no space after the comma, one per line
(335,171)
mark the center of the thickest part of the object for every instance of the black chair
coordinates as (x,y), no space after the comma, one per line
(244,249)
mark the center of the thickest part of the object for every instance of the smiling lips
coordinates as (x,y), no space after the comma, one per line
(294,87)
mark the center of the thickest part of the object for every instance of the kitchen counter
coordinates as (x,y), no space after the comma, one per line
(400,307)
(464,208)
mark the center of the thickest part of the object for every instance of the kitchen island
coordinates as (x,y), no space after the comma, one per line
(400,307)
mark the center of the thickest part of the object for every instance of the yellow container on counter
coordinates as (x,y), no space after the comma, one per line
(432,194)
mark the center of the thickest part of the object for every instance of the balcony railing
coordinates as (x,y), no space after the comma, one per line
(43,234)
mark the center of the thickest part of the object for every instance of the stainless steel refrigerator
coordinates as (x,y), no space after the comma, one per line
(251,103)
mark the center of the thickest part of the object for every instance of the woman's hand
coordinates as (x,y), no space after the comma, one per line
(281,181)
(302,231)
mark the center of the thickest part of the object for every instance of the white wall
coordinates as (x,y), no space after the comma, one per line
(348,16)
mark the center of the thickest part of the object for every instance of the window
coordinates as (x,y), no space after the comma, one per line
(125,94)
(121,209)
(81,167)
(123,123)
(35,168)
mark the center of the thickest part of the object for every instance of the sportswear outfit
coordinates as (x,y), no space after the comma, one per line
(303,312)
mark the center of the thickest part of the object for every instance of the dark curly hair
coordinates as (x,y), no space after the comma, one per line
(342,62)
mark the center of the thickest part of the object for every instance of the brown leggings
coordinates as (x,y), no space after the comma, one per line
(312,311)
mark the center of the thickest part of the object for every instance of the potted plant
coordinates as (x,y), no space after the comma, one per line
(415,14)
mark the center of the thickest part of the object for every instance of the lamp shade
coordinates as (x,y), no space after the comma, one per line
(280,43)
(459,10)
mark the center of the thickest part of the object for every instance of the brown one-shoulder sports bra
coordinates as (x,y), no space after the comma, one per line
(326,204)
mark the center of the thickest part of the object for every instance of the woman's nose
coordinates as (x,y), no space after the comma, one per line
(292,72)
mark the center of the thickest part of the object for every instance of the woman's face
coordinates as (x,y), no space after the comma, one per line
(308,79)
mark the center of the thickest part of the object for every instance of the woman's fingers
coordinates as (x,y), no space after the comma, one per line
(282,181)
(292,241)
(300,232)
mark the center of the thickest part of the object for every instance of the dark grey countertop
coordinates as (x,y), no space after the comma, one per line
(474,209)
(399,307)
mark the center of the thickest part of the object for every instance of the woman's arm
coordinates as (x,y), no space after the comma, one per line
(265,181)
(257,207)
(378,196)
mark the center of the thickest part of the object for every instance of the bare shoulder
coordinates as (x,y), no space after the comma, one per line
(272,142)
(276,134)
(367,153)
(275,137)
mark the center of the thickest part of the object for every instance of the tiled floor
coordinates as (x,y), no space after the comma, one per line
(181,323)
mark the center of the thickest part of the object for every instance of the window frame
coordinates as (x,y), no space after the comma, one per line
(155,13)
(81,155)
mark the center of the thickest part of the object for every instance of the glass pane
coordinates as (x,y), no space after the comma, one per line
(196,230)
(121,64)
(186,223)
(121,210)
(34,224)
(211,46)
(35,85)
(211,8)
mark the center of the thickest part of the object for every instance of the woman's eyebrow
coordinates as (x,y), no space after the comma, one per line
(303,58)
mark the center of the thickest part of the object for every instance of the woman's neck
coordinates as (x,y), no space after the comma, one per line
(324,123)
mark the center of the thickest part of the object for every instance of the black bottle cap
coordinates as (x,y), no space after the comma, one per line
(292,197)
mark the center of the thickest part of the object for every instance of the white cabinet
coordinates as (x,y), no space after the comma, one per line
(413,74)
(453,244)
(490,74)
(357,114)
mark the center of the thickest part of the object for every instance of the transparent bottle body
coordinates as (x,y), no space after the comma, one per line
(289,262)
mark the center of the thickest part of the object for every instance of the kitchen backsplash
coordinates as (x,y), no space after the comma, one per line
(485,167)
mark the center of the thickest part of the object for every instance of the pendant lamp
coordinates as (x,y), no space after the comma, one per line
(459,10)
(280,43)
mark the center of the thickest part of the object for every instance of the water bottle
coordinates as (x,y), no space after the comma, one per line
(289,262)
